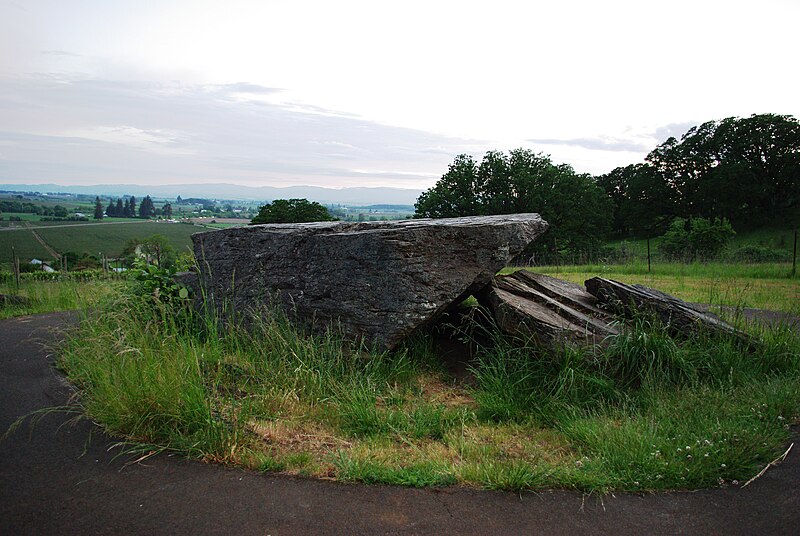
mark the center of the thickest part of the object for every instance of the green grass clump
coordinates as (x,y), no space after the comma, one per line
(416,475)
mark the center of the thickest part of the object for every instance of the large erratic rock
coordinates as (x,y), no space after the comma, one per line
(379,280)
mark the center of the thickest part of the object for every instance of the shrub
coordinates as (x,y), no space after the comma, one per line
(697,238)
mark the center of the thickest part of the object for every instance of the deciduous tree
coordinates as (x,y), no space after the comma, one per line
(291,211)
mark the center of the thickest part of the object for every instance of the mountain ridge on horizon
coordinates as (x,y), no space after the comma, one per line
(356,195)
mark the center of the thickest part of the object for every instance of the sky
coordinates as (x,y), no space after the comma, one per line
(341,94)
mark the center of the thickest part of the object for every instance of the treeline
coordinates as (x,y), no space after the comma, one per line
(522,181)
(128,209)
(26,207)
(745,171)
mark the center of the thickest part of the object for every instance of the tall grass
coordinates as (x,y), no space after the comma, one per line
(196,385)
(649,412)
(50,296)
(645,412)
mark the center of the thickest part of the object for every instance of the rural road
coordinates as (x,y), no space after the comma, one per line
(53,480)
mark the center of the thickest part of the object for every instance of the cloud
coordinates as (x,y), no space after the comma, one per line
(61,129)
(673,130)
(59,53)
(600,143)
(242,87)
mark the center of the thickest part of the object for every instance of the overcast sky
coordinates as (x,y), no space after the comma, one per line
(371,93)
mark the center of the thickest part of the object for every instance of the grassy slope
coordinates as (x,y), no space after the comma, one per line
(771,237)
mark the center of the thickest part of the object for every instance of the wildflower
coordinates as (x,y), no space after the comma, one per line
(578,463)
(723,465)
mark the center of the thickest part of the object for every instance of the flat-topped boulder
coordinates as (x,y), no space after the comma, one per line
(378,280)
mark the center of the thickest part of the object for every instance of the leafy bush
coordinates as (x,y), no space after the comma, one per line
(158,283)
(697,238)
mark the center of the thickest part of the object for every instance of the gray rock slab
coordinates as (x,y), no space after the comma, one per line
(550,310)
(678,316)
(378,280)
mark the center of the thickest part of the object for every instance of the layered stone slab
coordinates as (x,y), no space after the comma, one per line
(550,310)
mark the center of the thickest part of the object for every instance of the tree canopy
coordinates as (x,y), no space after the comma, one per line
(147,209)
(744,169)
(524,181)
(98,208)
(291,211)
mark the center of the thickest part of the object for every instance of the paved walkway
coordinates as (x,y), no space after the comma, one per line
(53,480)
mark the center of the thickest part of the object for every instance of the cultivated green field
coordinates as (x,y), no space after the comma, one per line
(107,238)
(111,239)
(26,246)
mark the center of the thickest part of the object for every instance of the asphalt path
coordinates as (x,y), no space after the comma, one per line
(62,478)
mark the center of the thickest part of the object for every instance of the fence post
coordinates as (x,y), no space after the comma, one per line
(15,261)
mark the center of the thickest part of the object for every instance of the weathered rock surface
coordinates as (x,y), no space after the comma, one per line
(380,280)
(551,310)
(677,315)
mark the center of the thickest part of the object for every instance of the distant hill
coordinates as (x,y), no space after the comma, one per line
(358,196)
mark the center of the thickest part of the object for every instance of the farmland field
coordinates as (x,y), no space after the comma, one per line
(109,238)
(26,246)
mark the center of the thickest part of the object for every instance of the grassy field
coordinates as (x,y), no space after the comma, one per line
(762,286)
(645,413)
(110,239)
(24,216)
(778,239)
